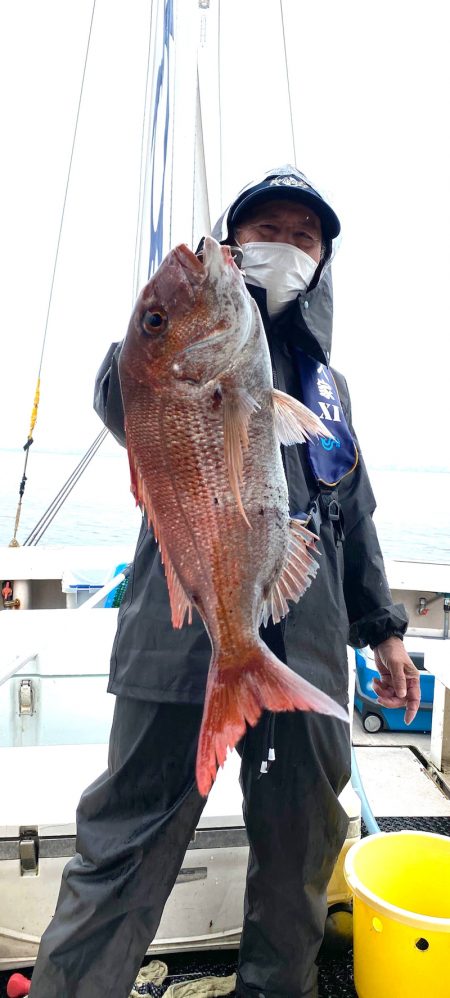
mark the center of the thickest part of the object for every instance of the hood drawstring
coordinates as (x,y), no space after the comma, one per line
(268,744)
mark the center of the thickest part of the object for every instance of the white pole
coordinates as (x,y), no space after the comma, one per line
(98,597)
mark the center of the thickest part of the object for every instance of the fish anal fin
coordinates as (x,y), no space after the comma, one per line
(294,422)
(238,407)
(180,603)
(299,569)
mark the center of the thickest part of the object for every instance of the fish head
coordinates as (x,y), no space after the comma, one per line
(190,321)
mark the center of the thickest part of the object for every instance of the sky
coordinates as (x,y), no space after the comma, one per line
(369,86)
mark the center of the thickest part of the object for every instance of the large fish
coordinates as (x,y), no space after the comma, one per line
(203,426)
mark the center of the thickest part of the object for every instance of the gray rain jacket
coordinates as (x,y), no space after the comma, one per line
(348,602)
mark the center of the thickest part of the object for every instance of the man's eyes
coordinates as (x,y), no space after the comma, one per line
(300,234)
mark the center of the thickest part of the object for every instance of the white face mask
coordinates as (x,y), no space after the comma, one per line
(283,270)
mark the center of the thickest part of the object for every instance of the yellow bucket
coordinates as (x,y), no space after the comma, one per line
(400,883)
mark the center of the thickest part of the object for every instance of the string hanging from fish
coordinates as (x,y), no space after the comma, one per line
(203,425)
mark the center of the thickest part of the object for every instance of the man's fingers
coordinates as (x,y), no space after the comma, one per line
(383,670)
(399,679)
(399,682)
(413,686)
(411,712)
(387,701)
(413,696)
(389,698)
(383,688)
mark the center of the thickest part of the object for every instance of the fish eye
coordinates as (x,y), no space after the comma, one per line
(153,321)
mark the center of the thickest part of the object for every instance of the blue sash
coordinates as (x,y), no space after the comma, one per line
(330,460)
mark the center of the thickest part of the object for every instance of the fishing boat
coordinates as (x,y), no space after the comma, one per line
(59,603)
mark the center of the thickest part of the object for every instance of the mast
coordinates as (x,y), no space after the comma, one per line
(176,168)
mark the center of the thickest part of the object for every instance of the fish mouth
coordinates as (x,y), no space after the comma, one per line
(215,261)
(193,268)
(212,261)
(216,258)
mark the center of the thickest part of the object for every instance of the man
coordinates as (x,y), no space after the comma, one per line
(136,820)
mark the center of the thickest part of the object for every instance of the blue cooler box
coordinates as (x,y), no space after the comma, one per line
(378,718)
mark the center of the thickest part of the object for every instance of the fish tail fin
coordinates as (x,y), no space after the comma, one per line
(236,695)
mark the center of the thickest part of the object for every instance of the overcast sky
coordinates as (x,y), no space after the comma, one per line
(369,86)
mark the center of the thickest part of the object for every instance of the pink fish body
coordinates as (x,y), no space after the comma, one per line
(204,426)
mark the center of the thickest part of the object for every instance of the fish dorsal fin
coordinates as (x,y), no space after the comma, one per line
(299,570)
(238,407)
(180,603)
(294,422)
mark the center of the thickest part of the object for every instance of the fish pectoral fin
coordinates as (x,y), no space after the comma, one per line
(294,422)
(299,570)
(180,603)
(238,407)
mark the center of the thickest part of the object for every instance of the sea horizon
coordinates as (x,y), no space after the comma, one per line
(412,515)
(111,451)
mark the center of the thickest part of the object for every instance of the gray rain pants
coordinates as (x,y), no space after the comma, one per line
(134,824)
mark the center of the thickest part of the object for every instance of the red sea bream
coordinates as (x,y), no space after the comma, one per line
(204,426)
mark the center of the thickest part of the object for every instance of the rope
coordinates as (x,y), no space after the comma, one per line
(152,979)
(47,518)
(145,115)
(14,542)
(219,74)
(287,82)
(120,593)
(173,109)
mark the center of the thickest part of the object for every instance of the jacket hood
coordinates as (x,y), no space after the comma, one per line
(311,316)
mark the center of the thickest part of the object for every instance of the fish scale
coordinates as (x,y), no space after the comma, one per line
(204,479)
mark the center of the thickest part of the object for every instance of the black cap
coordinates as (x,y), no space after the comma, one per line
(292,185)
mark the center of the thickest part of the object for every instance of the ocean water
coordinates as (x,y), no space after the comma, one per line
(412,516)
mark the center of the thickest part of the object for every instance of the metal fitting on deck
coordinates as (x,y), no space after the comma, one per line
(9,603)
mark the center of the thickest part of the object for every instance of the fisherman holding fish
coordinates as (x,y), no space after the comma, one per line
(257,563)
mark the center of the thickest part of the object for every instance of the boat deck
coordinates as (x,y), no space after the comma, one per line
(405,789)
(335,973)
(397,775)
(394,767)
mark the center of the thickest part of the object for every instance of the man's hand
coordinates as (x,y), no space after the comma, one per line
(399,683)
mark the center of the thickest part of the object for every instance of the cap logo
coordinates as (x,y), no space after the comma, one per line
(289,182)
